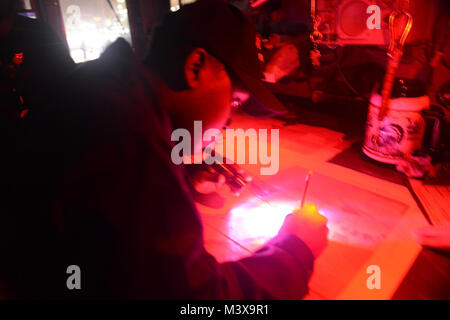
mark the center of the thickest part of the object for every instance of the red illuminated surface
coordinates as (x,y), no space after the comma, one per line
(363,224)
(371,221)
(358,220)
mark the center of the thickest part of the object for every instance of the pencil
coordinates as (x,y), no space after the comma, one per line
(308,177)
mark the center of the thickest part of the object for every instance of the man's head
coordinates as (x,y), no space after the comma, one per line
(196,86)
(199,52)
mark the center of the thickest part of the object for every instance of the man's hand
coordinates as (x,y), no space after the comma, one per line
(308,225)
(207,181)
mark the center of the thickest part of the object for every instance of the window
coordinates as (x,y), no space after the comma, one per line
(91,25)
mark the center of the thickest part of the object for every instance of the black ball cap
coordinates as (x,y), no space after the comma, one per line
(224,32)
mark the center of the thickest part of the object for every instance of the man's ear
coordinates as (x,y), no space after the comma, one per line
(195,62)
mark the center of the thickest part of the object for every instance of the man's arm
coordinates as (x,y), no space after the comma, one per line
(147,227)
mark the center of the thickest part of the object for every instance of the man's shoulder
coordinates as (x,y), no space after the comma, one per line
(116,80)
(103,99)
(117,69)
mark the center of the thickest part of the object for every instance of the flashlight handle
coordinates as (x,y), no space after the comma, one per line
(232,176)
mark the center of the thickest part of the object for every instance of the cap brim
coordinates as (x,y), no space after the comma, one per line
(256,87)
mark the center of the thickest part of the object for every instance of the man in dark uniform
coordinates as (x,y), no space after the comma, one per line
(103,193)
